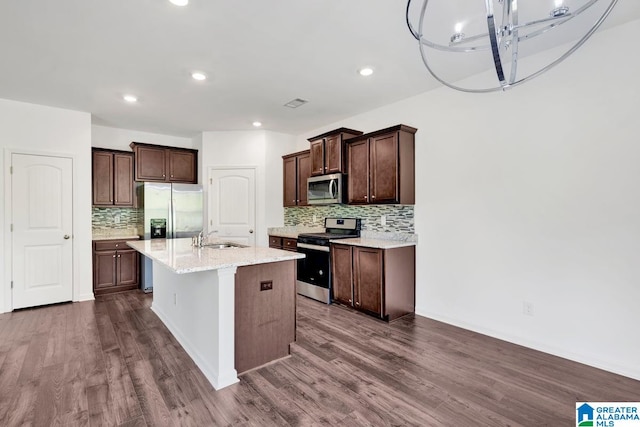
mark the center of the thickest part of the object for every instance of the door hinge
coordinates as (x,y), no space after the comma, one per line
(210,180)
(12,228)
(12,284)
(10,170)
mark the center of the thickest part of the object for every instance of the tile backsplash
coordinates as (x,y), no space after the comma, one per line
(114,218)
(399,218)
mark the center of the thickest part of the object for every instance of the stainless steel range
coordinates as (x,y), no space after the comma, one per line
(314,271)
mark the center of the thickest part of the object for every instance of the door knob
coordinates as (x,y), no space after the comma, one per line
(251,231)
(66,237)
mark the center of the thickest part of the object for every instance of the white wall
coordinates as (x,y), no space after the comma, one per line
(259,149)
(533,195)
(38,129)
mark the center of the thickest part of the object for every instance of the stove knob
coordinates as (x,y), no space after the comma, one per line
(321,273)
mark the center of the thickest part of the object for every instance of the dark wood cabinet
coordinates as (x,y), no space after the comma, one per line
(286,243)
(265,313)
(165,164)
(342,273)
(112,178)
(296,170)
(381,167)
(327,151)
(367,279)
(379,282)
(116,267)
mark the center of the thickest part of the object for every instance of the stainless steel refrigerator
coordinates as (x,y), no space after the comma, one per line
(168,211)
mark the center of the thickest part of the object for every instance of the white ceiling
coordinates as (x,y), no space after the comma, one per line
(259,54)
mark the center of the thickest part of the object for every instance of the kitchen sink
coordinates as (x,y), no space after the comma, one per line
(224,245)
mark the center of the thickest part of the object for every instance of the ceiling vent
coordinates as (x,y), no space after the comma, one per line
(295,103)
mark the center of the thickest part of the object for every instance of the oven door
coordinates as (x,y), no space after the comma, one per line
(314,276)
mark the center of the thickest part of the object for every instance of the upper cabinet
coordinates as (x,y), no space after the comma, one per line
(327,151)
(112,178)
(381,167)
(165,164)
(296,170)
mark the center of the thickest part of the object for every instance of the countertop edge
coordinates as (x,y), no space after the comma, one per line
(374,243)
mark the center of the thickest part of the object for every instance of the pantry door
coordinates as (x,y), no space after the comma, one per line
(232,204)
(42,236)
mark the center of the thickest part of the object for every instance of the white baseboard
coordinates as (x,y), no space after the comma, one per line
(633,373)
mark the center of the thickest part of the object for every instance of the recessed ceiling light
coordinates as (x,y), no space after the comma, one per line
(130,98)
(367,71)
(180,2)
(198,76)
(257,124)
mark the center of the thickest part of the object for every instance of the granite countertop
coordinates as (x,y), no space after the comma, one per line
(381,240)
(180,257)
(114,234)
(374,243)
(292,232)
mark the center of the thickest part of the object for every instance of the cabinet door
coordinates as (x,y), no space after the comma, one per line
(358,179)
(333,154)
(150,164)
(182,166)
(317,157)
(384,168)
(304,172)
(127,267)
(290,178)
(123,179)
(341,274)
(367,279)
(104,269)
(102,172)
(289,244)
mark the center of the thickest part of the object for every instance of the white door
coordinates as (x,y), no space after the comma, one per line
(232,204)
(42,243)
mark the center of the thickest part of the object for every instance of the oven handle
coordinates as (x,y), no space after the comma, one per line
(314,247)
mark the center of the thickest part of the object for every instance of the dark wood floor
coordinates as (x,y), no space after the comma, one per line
(112,362)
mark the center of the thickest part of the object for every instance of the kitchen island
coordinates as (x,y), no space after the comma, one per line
(231,309)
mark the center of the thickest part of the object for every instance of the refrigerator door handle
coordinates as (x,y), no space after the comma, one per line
(170,224)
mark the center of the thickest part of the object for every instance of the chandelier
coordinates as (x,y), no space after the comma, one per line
(463,37)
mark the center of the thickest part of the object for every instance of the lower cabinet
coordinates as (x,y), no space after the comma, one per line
(116,267)
(286,243)
(380,282)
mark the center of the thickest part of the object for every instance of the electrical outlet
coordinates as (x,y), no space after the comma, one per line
(383,220)
(266,285)
(116,219)
(527,308)
(315,218)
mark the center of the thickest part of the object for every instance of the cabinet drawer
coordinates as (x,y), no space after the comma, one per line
(110,245)
(289,244)
(275,242)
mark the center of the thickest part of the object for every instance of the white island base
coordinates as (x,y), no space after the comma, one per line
(198,309)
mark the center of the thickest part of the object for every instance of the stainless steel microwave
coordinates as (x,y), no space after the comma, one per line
(325,189)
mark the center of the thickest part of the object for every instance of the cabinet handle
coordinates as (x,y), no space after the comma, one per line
(357,304)
(163,175)
(114,256)
(118,256)
(350,301)
(373,197)
(171,176)
(366,197)
(117,245)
